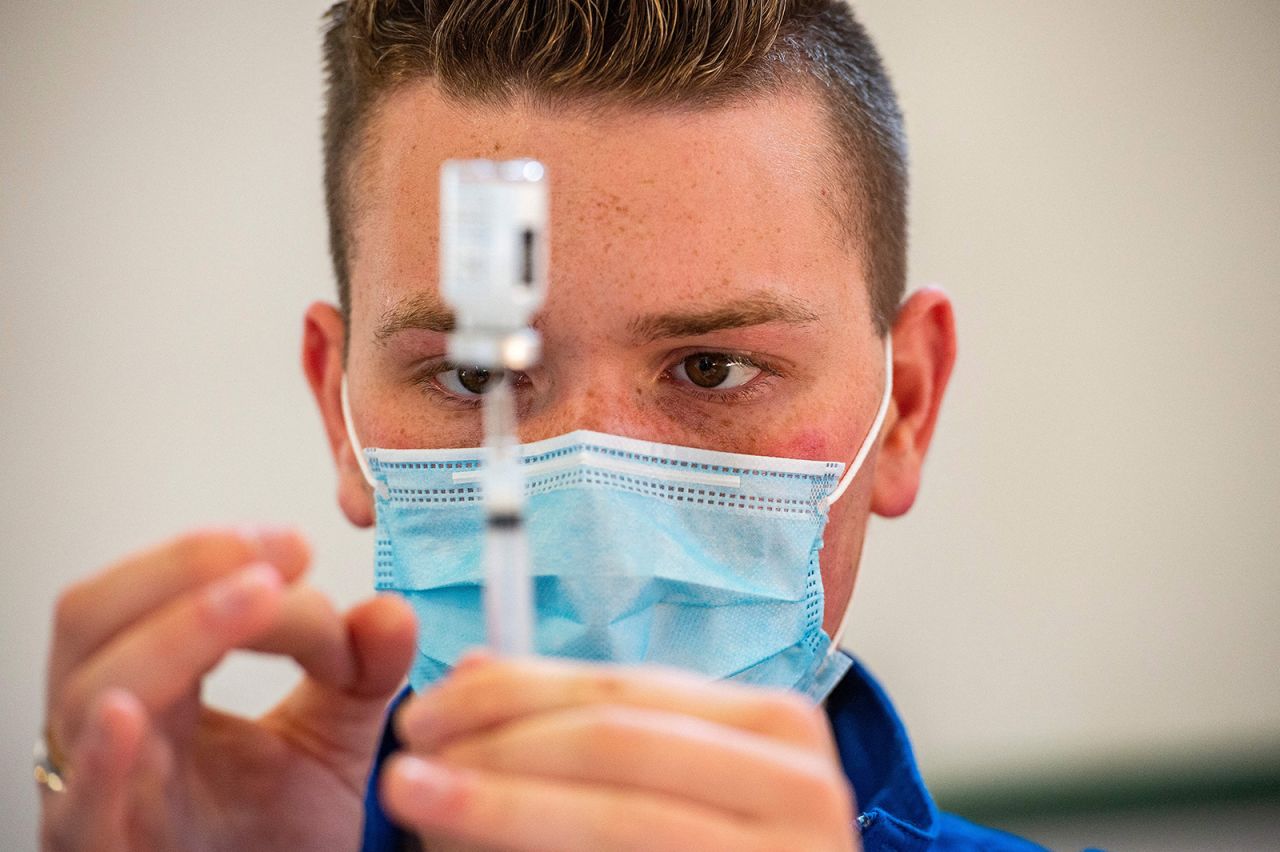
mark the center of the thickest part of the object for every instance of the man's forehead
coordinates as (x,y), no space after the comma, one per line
(773,147)
(667,205)
(420,114)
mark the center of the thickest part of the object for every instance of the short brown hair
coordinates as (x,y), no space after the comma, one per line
(629,52)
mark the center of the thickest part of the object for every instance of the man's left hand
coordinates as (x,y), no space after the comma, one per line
(550,755)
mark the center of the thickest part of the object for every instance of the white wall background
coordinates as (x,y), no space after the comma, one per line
(1091,569)
(1094,567)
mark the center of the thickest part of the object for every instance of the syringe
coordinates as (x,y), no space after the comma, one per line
(493,274)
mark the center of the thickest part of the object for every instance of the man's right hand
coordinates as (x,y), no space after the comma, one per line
(148,766)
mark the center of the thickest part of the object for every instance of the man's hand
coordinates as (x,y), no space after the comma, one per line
(547,755)
(149,767)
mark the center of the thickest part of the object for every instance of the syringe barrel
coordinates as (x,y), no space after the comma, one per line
(508,589)
(508,592)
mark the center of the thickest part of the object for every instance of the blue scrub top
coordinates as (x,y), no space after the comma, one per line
(898,814)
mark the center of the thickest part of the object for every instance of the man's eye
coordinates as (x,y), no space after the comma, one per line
(468,381)
(715,370)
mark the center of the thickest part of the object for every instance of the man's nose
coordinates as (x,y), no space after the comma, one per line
(568,406)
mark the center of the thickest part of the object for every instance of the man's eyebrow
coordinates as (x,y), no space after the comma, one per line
(423,312)
(756,309)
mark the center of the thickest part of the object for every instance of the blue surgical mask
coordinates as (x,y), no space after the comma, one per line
(640,553)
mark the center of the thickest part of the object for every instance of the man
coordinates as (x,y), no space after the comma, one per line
(728,220)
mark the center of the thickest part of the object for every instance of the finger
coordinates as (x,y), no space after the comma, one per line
(385,633)
(93,611)
(492,692)
(163,658)
(93,811)
(514,813)
(311,631)
(339,723)
(666,753)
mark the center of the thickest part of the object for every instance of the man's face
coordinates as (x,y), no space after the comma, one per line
(702,291)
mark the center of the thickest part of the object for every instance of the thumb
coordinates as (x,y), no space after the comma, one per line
(339,723)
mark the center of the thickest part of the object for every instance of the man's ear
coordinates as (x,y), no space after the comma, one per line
(323,340)
(924,351)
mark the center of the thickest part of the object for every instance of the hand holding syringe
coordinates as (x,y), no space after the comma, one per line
(493,262)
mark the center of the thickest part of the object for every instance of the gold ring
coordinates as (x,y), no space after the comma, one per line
(48,763)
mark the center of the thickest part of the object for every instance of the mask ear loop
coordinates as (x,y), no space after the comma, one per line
(873,434)
(876,425)
(352,439)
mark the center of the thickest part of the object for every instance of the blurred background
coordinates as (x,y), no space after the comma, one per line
(1080,619)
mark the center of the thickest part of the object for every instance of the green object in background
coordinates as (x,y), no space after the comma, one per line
(1129,786)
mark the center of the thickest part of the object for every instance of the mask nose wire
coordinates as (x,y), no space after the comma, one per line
(876,425)
(356,447)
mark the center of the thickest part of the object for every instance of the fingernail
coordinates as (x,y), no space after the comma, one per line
(98,737)
(278,545)
(97,727)
(417,719)
(231,597)
(421,782)
(472,659)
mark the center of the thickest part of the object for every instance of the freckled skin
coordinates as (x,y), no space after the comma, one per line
(651,212)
